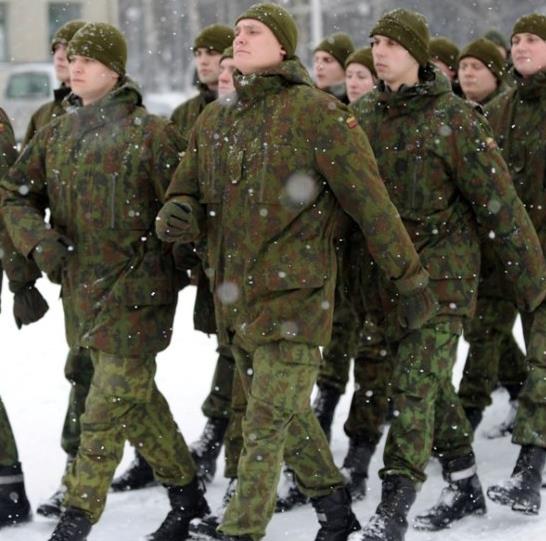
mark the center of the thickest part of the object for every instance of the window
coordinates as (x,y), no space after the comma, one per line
(29,85)
(4,57)
(62,12)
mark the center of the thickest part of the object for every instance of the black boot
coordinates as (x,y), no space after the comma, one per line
(474,416)
(53,506)
(462,497)
(206,449)
(74,525)
(389,523)
(187,502)
(336,518)
(522,490)
(290,496)
(14,506)
(355,467)
(324,407)
(138,475)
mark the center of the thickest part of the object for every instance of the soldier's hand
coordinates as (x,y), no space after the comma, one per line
(28,304)
(176,222)
(51,255)
(416,308)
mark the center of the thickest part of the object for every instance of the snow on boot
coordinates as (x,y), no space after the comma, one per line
(187,502)
(206,449)
(522,490)
(74,525)
(14,506)
(462,497)
(205,527)
(289,496)
(53,506)
(355,467)
(474,416)
(389,523)
(138,475)
(336,518)
(324,406)
(507,426)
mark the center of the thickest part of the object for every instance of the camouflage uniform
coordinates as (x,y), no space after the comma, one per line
(272,196)
(102,171)
(445,175)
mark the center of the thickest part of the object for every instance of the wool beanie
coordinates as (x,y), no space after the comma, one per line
(339,45)
(228,53)
(362,56)
(486,51)
(497,38)
(535,23)
(279,21)
(215,37)
(65,33)
(408,28)
(445,51)
(103,42)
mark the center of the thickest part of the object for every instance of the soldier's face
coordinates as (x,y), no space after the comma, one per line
(207,63)
(393,63)
(225,80)
(445,69)
(477,81)
(358,80)
(60,64)
(255,47)
(90,79)
(528,53)
(327,70)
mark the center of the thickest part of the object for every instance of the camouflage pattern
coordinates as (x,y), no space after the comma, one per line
(8,447)
(277,380)
(124,403)
(218,401)
(185,115)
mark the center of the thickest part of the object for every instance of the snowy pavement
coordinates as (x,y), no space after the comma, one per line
(35,392)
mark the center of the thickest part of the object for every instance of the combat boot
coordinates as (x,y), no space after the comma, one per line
(53,506)
(14,506)
(462,497)
(290,496)
(187,502)
(205,527)
(390,523)
(474,416)
(336,518)
(206,449)
(74,525)
(138,475)
(507,426)
(522,490)
(355,467)
(324,406)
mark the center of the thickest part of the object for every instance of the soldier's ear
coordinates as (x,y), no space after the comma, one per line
(283,53)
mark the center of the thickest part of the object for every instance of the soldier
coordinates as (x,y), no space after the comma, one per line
(444,55)
(102,171)
(444,182)
(360,75)
(265,181)
(28,306)
(519,123)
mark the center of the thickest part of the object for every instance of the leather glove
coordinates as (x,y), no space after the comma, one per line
(176,222)
(416,308)
(51,255)
(28,304)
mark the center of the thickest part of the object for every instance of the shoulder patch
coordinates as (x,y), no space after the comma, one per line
(490,143)
(352,122)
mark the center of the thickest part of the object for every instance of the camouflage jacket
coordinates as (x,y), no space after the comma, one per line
(185,115)
(102,171)
(446,176)
(273,173)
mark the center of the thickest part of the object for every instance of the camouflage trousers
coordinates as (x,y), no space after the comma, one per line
(428,414)
(124,403)
(218,401)
(278,425)
(494,356)
(530,426)
(8,448)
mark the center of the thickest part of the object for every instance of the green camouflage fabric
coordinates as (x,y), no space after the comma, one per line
(124,403)
(102,171)
(218,401)
(8,447)
(274,187)
(277,380)
(185,115)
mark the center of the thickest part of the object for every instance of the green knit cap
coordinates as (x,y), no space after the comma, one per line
(65,33)
(486,51)
(215,37)
(103,42)
(445,51)
(362,56)
(279,21)
(339,45)
(408,28)
(497,38)
(535,23)
(228,53)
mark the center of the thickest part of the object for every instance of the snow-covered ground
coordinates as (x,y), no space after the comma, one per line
(34,392)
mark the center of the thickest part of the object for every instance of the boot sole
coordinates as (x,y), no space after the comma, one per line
(49,511)
(422,527)
(503,498)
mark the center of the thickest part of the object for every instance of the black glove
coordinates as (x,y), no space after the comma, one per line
(176,222)
(416,308)
(28,304)
(51,255)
